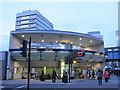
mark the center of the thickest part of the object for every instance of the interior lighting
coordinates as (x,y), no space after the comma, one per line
(42,40)
(23,36)
(71,42)
(80,39)
(90,40)
(74,62)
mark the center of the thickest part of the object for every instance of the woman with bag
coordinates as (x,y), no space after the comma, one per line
(106,75)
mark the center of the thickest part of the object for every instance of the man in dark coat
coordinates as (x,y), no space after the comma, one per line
(54,76)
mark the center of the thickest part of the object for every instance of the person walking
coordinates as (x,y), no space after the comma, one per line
(99,76)
(54,75)
(65,77)
(88,74)
(106,75)
(42,76)
(93,75)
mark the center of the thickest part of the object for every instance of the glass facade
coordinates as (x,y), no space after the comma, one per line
(113,53)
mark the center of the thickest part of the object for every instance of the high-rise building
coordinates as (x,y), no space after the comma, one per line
(32,20)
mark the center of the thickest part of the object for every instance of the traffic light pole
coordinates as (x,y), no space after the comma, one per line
(29,55)
(70,61)
(69,67)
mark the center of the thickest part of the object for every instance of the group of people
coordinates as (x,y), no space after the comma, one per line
(54,76)
(99,75)
(91,75)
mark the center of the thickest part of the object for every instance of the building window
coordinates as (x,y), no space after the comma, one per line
(24,26)
(116,55)
(25,17)
(32,16)
(109,50)
(18,22)
(31,20)
(32,25)
(110,55)
(22,22)
(17,27)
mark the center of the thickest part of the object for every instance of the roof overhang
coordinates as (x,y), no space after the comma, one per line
(59,36)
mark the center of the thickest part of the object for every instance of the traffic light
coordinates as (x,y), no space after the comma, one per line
(24,48)
(66,60)
(81,52)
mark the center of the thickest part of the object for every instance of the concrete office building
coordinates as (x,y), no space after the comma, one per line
(50,47)
(28,20)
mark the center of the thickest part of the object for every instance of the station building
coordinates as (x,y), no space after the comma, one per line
(50,47)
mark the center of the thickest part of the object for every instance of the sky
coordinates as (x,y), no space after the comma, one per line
(74,16)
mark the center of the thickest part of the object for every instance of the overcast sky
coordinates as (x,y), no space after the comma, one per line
(80,17)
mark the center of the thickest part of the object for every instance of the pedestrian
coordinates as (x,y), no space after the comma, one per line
(63,78)
(72,75)
(93,75)
(36,75)
(42,76)
(54,75)
(106,75)
(99,76)
(88,74)
(23,73)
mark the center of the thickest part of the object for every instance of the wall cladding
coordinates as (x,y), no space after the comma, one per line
(85,64)
(37,63)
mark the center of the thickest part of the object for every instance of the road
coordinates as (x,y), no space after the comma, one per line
(48,85)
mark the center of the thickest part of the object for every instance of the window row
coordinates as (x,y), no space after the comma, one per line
(40,20)
(113,55)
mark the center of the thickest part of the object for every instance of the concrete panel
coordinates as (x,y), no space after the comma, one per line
(14,42)
(37,63)
(2,55)
(2,69)
(3,63)
(97,48)
(92,65)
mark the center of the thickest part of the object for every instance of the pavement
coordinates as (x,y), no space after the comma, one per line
(113,84)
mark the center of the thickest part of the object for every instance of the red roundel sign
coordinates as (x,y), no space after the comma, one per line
(80,52)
